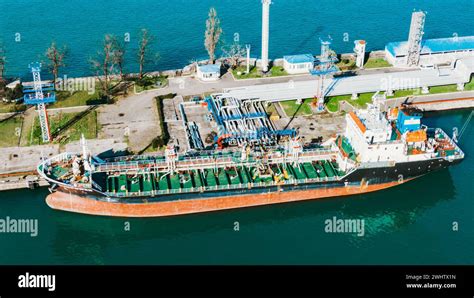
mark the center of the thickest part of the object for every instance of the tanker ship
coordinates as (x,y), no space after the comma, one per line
(376,150)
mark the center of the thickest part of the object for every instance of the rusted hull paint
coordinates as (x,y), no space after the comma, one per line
(74,203)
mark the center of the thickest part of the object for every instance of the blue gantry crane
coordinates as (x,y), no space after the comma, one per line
(40,94)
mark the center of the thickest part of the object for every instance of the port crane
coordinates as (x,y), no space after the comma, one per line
(40,94)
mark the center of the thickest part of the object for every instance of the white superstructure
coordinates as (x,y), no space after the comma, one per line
(395,137)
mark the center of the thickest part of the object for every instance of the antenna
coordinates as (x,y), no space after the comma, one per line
(247,46)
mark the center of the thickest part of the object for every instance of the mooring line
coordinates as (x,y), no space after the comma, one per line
(464,127)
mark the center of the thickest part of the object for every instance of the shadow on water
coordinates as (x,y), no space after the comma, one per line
(311,38)
(87,238)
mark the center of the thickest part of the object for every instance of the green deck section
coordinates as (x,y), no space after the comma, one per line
(319,170)
(135,184)
(122,184)
(234,176)
(174,181)
(299,174)
(255,176)
(309,170)
(222,177)
(328,169)
(147,183)
(186,181)
(286,171)
(244,174)
(163,183)
(197,179)
(112,184)
(210,178)
(344,144)
(139,182)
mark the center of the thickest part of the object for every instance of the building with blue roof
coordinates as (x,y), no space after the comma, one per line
(433,51)
(209,72)
(296,64)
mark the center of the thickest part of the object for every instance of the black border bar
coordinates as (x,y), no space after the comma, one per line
(291,281)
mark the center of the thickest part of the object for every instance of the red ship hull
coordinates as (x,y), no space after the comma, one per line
(67,201)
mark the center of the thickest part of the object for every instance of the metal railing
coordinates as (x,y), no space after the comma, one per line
(223,187)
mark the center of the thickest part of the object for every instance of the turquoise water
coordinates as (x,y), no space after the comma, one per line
(408,224)
(296,26)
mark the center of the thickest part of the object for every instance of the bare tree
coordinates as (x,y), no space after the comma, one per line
(212,34)
(119,56)
(103,65)
(145,53)
(56,57)
(3,61)
(234,54)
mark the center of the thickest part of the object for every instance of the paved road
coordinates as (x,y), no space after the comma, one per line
(369,82)
(134,118)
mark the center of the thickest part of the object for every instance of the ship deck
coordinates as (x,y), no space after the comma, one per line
(146,182)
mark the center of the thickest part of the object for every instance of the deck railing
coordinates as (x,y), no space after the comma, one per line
(223,187)
(206,162)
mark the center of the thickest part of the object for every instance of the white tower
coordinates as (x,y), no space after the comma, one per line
(265,33)
(414,38)
(359,50)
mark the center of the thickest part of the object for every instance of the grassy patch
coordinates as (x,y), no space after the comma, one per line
(332,102)
(291,107)
(150,83)
(404,93)
(10,131)
(363,100)
(470,85)
(376,63)
(254,73)
(88,126)
(346,64)
(79,98)
(275,71)
(443,89)
(11,107)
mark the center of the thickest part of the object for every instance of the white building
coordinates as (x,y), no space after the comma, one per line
(296,64)
(433,51)
(209,72)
